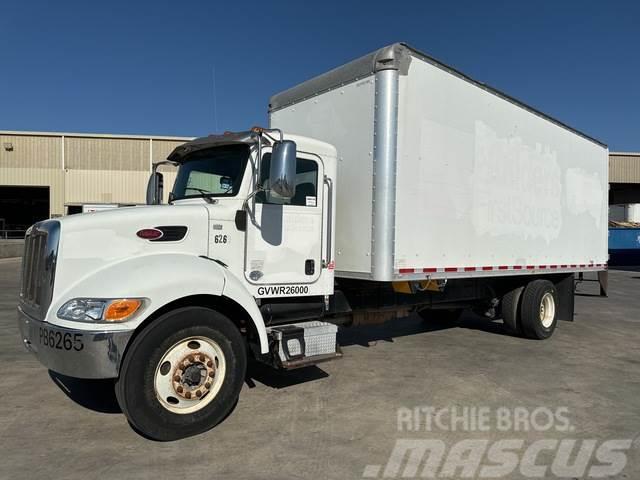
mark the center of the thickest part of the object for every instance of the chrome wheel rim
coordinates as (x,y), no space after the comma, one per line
(547,310)
(189,375)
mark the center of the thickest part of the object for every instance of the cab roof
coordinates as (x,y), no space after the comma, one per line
(248,137)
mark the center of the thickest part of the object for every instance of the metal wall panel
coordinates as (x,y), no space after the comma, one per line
(38,177)
(161,149)
(105,186)
(106,154)
(624,168)
(97,168)
(27,151)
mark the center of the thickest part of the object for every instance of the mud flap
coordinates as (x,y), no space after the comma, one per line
(565,288)
(603,280)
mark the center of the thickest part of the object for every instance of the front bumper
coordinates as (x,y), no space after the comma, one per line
(74,352)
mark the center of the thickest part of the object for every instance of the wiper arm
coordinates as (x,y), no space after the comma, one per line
(205,194)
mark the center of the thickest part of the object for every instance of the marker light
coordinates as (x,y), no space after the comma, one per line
(119,310)
(149,233)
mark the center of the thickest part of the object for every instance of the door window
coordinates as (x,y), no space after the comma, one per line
(306,184)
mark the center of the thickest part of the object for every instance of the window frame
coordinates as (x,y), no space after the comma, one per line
(264,172)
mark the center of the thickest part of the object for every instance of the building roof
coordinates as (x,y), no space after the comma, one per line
(93,135)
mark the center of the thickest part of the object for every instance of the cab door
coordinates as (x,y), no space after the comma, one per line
(284,236)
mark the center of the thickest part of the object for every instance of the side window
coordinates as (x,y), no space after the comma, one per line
(306,184)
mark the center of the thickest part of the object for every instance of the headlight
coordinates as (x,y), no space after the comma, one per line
(100,309)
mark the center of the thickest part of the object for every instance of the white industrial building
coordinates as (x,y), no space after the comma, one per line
(45,174)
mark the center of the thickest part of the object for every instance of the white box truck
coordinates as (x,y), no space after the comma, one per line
(390,185)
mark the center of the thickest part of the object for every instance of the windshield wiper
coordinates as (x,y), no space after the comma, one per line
(207,195)
(202,191)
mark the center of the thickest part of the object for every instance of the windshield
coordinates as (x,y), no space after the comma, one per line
(216,172)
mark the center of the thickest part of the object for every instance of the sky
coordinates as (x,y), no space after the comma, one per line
(191,68)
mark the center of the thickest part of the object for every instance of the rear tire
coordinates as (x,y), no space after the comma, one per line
(539,309)
(182,374)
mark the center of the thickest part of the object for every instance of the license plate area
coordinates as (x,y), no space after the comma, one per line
(60,340)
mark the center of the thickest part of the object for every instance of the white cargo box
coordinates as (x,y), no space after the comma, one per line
(442,176)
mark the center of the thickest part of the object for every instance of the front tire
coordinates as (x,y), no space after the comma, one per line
(182,374)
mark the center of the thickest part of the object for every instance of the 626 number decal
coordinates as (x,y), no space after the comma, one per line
(61,341)
(220,238)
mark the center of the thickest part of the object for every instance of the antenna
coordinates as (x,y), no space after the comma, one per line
(215,102)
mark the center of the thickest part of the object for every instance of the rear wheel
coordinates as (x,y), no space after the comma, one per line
(182,374)
(539,309)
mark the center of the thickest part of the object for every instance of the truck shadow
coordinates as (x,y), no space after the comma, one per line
(367,336)
(96,395)
(270,377)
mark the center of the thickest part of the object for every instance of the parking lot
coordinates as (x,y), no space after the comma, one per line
(340,420)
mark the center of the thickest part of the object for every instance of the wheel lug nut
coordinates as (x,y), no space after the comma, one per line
(179,389)
(188,394)
(207,385)
(209,364)
(198,393)
(176,378)
(211,374)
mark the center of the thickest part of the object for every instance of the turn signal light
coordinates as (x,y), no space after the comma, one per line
(118,310)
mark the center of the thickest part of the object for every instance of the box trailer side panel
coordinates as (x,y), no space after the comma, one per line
(344,118)
(442,176)
(483,182)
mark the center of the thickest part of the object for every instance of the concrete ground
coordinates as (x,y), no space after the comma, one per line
(340,420)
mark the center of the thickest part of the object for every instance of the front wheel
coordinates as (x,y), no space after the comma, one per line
(182,374)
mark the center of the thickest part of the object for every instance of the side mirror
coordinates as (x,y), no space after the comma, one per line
(282,172)
(155,189)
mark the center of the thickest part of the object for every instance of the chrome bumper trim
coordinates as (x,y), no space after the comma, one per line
(74,352)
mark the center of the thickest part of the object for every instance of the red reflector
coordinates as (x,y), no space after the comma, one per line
(407,270)
(149,233)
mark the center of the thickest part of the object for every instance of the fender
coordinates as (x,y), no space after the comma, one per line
(236,291)
(162,278)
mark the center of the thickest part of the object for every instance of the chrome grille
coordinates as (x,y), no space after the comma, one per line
(38,267)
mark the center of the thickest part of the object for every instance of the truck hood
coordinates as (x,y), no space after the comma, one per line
(93,241)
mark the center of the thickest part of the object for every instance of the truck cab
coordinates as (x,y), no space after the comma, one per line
(276,245)
(178,289)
